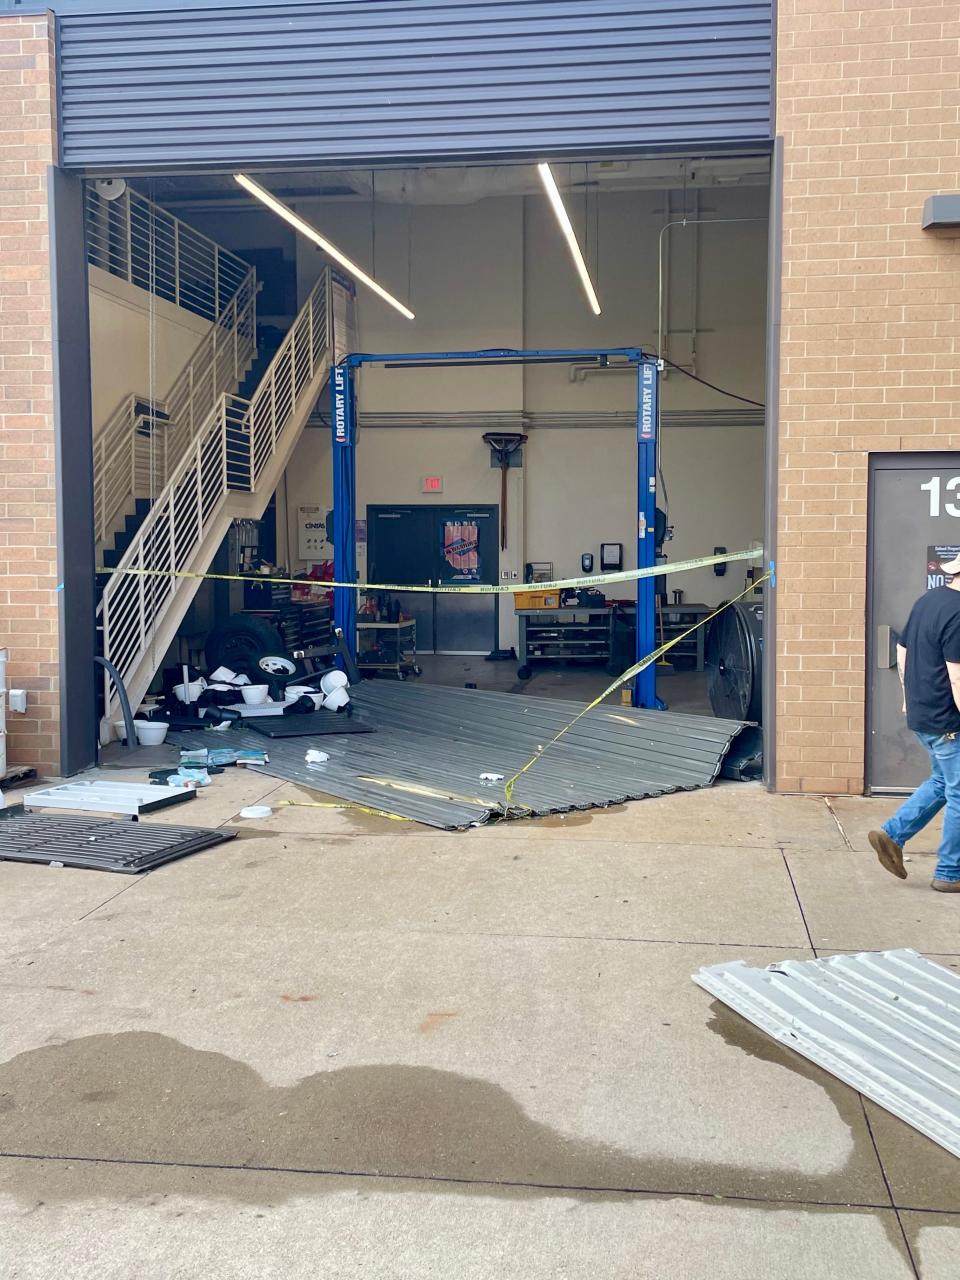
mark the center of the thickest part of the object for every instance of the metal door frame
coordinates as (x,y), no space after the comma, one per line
(487,508)
(886,462)
(343,430)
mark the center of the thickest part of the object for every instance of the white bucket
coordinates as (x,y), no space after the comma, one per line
(150,733)
(336,699)
(254,694)
(333,680)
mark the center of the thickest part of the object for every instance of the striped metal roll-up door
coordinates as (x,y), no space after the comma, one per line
(344,81)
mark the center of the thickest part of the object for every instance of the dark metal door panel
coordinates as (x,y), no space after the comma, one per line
(914,518)
(402,551)
(467,541)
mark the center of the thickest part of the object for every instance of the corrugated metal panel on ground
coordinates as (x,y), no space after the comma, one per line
(345,81)
(432,744)
(887,1023)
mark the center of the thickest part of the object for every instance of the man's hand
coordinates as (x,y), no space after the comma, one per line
(901,668)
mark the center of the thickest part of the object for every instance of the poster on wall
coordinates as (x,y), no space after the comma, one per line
(460,547)
(312,542)
(937,556)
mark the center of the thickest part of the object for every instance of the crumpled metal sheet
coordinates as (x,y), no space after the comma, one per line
(887,1023)
(432,744)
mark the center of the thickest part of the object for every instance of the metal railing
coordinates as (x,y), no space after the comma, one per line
(228,454)
(142,441)
(137,240)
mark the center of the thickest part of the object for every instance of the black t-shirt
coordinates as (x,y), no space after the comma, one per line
(932,639)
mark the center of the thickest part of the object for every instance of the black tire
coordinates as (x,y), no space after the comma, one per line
(524,673)
(241,642)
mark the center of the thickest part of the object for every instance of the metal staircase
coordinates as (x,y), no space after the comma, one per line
(137,448)
(228,468)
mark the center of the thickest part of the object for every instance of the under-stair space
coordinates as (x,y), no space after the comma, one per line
(227,470)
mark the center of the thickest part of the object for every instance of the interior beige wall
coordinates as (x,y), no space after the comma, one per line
(496,273)
(138,343)
(459,268)
(578,493)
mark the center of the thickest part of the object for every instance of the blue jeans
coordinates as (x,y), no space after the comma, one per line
(941,789)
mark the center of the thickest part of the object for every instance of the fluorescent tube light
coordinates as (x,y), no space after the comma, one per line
(553,192)
(305,229)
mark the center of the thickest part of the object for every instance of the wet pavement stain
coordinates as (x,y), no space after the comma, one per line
(434,1020)
(144,1097)
(577,817)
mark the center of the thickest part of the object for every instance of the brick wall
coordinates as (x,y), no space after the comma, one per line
(867,105)
(28,561)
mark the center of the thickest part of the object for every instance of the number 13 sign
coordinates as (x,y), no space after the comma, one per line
(933,487)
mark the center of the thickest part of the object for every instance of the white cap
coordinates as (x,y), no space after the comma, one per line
(951,567)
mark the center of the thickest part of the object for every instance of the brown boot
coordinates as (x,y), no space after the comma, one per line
(945,886)
(889,853)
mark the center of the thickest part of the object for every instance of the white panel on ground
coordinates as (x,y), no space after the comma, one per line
(131,798)
(887,1023)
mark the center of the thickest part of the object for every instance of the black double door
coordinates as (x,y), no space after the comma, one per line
(439,546)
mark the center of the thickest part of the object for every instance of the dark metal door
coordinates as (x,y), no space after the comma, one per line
(443,545)
(401,550)
(914,522)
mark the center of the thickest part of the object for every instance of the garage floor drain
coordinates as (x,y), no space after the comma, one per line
(99,844)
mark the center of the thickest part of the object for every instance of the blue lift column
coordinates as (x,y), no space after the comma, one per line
(343,423)
(645,684)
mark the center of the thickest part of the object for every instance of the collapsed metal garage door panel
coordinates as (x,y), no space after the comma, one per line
(887,1023)
(432,744)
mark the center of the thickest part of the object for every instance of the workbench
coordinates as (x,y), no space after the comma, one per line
(575,634)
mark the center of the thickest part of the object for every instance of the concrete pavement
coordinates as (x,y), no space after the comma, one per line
(350,1047)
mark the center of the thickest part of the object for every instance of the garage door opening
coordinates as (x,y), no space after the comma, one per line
(676,248)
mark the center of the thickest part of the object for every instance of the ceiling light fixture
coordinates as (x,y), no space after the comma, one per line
(305,229)
(553,192)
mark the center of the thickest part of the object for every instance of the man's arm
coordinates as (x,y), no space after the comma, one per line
(953,671)
(901,670)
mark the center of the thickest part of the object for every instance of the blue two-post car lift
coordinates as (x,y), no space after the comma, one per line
(344,431)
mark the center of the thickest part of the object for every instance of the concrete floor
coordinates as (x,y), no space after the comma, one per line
(682,690)
(341,1046)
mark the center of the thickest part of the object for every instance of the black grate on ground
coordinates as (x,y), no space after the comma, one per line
(100,844)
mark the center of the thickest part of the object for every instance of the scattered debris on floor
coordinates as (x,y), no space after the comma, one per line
(98,796)
(99,844)
(887,1023)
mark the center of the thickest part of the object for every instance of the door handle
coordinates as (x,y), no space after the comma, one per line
(886,647)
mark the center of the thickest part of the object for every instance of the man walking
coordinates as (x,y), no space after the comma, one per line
(928,659)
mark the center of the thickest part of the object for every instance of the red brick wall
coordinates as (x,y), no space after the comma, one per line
(28,558)
(867,105)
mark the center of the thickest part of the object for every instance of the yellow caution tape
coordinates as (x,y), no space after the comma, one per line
(472,588)
(629,674)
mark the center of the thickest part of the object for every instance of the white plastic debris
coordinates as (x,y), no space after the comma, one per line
(316,757)
(491,779)
(256,811)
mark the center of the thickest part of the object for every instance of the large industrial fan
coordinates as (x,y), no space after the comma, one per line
(733,654)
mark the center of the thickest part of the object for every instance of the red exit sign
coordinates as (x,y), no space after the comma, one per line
(431,484)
